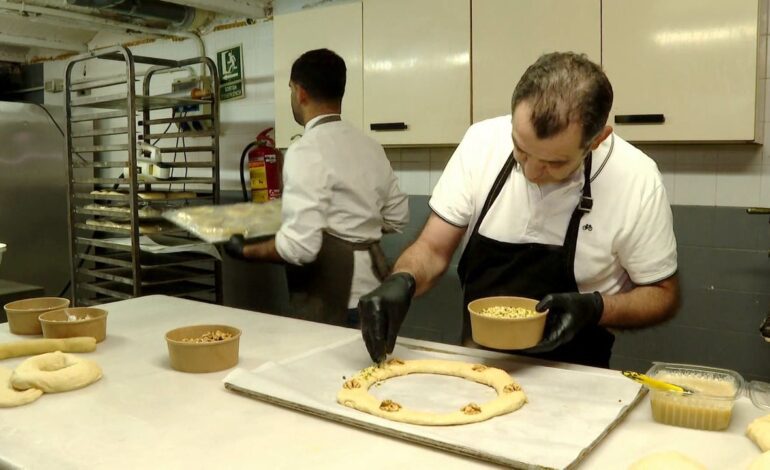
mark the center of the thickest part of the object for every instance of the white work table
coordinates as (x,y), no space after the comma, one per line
(143,414)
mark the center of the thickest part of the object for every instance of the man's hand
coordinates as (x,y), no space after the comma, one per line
(568,314)
(382,312)
(234,246)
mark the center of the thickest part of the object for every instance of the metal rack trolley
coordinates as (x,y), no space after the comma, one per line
(105,208)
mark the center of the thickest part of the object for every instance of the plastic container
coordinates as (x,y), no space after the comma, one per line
(23,314)
(710,407)
(74,322)
(506,333)
(202,357)
(3,247)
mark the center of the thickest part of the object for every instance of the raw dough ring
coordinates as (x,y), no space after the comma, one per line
(10,397)
(55,372)
(355,392)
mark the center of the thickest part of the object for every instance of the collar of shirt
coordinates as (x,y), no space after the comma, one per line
(312,122)
(573,182)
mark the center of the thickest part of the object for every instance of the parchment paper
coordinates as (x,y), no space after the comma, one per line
(567,413)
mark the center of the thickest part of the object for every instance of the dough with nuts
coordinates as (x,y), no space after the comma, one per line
(355,392)
(55,372)
(10,397)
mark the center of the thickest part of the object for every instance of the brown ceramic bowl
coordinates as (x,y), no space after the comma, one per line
(506,333)
(75,321)
(23,314)
(202,357)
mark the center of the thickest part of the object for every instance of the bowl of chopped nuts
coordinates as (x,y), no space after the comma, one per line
(506,322)
(203,348)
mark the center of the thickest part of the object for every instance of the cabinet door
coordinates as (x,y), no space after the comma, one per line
(417,71)
(509,35)
(692,61)
(337,28)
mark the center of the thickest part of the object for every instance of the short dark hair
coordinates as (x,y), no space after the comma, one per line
(321,73)
(565,87)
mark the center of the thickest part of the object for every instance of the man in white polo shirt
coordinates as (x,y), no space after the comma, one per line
(547,203)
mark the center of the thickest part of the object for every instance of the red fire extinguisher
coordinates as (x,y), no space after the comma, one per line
(265,166)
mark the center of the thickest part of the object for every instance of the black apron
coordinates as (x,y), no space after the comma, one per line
(320,291)
(493,268)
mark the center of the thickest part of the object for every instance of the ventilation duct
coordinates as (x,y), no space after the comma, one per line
(151,12)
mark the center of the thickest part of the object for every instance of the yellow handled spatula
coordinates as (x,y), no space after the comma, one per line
(656,384)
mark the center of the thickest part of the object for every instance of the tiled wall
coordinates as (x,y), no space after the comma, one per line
(418,169)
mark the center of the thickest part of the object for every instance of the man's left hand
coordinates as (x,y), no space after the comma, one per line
(568,314)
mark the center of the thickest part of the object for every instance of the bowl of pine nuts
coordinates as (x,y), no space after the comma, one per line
(506,322)
(203,348)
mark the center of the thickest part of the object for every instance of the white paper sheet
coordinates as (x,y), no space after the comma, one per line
(567,410)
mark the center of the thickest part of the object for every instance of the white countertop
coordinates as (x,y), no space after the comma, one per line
(143,414)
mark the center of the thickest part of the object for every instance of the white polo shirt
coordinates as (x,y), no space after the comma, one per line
(627,239)
(337,179)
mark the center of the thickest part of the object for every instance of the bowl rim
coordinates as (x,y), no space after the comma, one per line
(176,342)
(26,310)
(102,314)
(538,315)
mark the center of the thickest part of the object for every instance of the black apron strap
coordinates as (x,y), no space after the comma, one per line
(584,206)
(495,190)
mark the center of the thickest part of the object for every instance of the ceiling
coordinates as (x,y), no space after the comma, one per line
(35,30)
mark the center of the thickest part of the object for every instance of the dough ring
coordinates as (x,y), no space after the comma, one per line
(55,372)
(10,397)
(355,392)
(759,432)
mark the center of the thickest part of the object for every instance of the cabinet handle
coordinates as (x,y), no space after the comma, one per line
(758,210)
(640,119)
(388,126)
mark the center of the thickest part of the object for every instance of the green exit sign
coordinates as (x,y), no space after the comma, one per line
(230,65)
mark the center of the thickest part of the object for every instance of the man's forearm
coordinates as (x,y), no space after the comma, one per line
(263,251)
(420,261)
(643,306)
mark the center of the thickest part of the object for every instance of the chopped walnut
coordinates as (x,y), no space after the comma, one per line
(389,405)
(511,388)
(352,383)
(209,337)
(396,362)
(471,409)
(479,367)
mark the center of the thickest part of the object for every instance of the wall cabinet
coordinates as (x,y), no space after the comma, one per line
(687,70)
(335,27)
(508,36)
(417,76)
(683,71)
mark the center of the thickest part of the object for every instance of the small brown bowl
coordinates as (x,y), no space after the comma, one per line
(23,314)
(88,321)
(187,356)
(506,333)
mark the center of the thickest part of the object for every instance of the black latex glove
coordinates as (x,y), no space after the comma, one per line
(382,312)
(234,246)
(568,314)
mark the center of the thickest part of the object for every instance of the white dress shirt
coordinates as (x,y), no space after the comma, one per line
(337,179)
(627,239)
